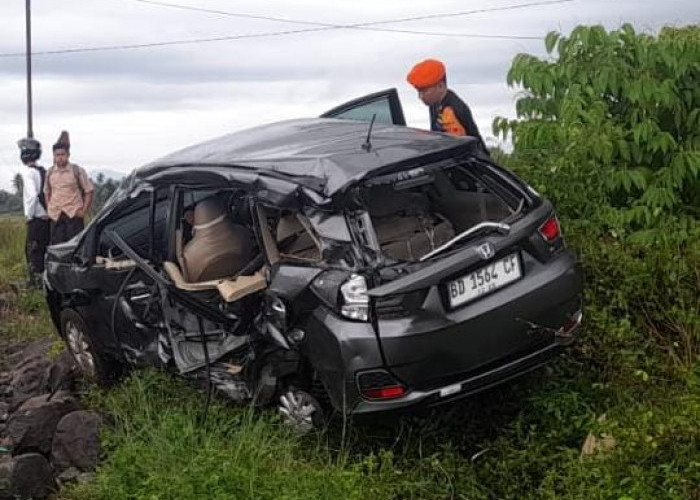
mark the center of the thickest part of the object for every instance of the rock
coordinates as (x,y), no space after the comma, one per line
(4,411)
(19,354)
(61,373)
(32,426)
(76,442)
(29,379)
(26,476)
(73,475)
(36,375)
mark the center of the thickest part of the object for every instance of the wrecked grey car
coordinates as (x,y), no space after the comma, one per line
(345,266)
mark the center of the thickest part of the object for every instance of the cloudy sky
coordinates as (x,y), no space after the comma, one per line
(126,107)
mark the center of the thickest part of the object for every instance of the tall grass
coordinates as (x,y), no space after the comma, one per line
(23,315)
(519,441)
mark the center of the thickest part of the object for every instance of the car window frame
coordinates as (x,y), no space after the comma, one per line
(392,96)
(119,211)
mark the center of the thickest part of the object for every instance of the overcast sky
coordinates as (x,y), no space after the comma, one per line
(124,108)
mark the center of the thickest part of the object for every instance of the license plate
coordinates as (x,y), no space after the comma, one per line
(492,276)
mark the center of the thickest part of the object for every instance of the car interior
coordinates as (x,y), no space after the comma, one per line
(216,243)
(410,222)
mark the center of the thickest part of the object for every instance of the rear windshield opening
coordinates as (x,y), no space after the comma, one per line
(415,216)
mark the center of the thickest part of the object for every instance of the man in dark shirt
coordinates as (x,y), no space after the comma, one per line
(448,113)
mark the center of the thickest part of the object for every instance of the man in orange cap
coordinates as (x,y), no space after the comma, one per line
(448,113)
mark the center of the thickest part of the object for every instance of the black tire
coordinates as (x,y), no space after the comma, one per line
(95,365)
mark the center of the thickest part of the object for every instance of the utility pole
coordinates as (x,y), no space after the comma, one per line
(28,22)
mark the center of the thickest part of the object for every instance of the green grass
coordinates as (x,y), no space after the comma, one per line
(526,436)
(23,315)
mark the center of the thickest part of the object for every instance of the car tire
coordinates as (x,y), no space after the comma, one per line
(93,364)
(301,412)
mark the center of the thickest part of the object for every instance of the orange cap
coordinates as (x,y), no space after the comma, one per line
(426,73)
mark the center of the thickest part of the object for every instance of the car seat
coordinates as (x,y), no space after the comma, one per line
(219,248)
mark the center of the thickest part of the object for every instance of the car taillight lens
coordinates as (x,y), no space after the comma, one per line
(550,230)
(379,384)
(355,301)
(391,392)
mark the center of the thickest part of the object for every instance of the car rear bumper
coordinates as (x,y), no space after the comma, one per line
(481,381)
(497,339)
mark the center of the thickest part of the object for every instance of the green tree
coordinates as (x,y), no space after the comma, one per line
(610,124)
(18,184)
(104,187)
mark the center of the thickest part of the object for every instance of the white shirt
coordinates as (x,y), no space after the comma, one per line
(30,194)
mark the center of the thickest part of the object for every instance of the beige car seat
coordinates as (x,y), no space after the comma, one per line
(218,248)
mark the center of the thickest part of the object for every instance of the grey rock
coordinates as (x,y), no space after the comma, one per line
(29,379)
(26,476)
(76,442)
(31,427)
(61,373)
(17,355)
(68,476)
(73,475)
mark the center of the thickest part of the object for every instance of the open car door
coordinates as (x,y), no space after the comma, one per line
(385,105)
(190,320)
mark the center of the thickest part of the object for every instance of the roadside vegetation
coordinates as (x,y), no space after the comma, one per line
(23,313)
(608,128)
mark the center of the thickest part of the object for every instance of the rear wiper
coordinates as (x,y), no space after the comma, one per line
(498,226)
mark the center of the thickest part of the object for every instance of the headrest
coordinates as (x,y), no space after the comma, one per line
(208,212)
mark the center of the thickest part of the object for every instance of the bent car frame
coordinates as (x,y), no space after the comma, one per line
(378,267)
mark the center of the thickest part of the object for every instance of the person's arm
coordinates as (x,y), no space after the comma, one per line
(464,115)
(88,191)
(29,198)
(47,187)
(30,194)
(87,202)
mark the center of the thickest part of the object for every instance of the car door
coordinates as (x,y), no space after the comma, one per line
(385,105)
(206,320)
(125,297)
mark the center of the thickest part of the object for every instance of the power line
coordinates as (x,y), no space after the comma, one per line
(356,25)
(369,26)
(319,27)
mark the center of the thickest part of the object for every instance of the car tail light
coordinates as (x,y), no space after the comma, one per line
(355,301)
(550,230)
(379,384)
(391,392)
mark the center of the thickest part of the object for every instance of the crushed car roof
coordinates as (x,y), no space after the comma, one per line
(320,154)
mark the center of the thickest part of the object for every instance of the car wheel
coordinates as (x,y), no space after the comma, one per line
(92,363)
(301,411)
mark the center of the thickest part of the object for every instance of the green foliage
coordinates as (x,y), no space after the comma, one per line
(608,129)
(157,448)
(23,315)
(103,190)
(10,202)
(615,116)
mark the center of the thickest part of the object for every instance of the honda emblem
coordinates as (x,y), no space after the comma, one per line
(486,250)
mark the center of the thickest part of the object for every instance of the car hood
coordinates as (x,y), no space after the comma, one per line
(320,156)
